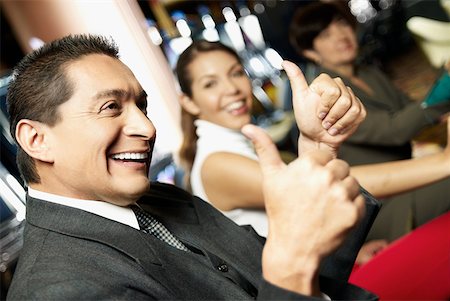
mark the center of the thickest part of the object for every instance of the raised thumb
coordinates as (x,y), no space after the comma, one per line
(298,81)
(269,157)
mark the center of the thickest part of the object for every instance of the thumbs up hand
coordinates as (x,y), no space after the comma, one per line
(311,204)
(327,112)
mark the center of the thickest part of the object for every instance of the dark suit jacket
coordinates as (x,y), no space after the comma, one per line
(72,254)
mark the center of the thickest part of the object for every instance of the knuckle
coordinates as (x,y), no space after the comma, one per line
(342,164)
(339,125)
(353,181)
(327,176)
(363,113)
(352,216)
(310,162)
(323,76)
(345,101)
(354,187)
(331,118)
(339,80)
(341,191)
(327,106)
(354,111)
(306,162)
(334,91)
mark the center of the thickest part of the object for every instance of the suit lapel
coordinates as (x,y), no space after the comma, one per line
(85,225)
(196,223)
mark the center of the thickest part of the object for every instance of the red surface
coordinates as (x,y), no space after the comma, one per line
(414,267)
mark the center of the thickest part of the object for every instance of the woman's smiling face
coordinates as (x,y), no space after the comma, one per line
(221,89)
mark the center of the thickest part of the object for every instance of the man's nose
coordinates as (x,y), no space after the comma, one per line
(138,124)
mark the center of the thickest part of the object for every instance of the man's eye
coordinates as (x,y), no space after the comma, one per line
(110,106)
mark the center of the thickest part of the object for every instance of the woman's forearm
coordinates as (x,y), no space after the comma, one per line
(390,178)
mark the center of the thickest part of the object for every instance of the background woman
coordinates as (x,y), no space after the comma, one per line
(325,35)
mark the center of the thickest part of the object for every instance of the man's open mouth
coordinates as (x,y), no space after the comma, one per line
(131,157)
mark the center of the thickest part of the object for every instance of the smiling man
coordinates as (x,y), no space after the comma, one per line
(108,157)
(97,229)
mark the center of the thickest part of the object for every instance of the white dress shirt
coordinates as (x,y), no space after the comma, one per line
(110,211)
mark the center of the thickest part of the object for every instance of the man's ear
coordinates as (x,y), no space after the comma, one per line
(189,105)
(312,55)
(31,136)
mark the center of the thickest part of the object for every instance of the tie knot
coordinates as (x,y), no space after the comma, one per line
(145,219)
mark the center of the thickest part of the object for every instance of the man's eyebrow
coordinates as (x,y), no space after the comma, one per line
(119,93)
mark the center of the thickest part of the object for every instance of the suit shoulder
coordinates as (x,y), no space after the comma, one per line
(168,191)
(169,195)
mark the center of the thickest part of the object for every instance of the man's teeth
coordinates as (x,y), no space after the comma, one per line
(235,105)
(130,156)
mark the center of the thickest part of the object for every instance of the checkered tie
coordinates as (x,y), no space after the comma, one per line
(149,224)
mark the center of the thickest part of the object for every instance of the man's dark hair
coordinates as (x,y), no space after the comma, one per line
(310,20)
(40,84)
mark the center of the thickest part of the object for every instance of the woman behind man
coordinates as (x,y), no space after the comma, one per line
(325,34)
(221,162)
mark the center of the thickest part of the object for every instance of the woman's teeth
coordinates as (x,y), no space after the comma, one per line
(235,105)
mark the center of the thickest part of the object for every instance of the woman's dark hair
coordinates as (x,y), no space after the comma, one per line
(40,85)
(310,20)
(189,145)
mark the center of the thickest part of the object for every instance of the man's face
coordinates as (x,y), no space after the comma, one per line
(102,145)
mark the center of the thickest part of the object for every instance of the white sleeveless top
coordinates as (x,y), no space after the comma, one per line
(213,138)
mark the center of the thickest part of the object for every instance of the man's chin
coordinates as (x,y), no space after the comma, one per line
(130,194)
(139,191)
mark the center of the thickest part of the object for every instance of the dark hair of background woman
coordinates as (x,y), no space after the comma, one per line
(310,20)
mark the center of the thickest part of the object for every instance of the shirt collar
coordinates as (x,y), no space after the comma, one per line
(110,211)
